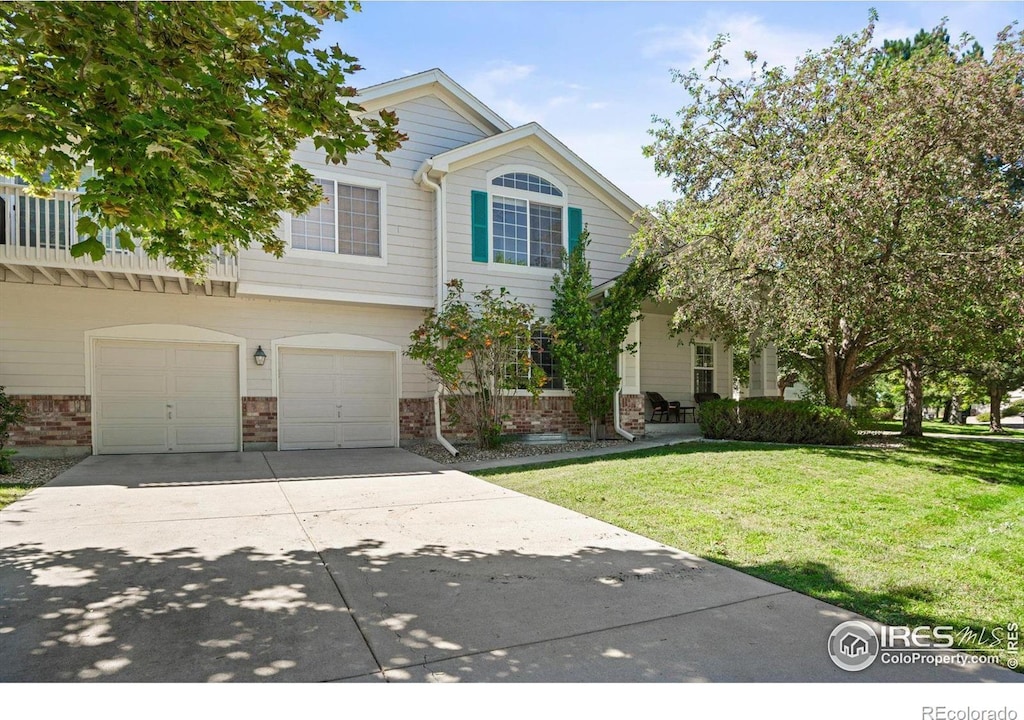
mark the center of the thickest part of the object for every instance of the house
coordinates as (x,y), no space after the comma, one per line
(126,355)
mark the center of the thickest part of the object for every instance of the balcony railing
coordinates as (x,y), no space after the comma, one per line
(36,235)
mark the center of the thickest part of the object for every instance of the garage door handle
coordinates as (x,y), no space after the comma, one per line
(170,411)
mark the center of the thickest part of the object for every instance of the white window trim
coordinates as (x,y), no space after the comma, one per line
(694,368)
(516,194)
(336,257)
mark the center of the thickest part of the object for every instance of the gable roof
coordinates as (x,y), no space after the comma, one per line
(436,83)
(547,145)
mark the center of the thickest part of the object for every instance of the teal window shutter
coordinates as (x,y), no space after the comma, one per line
(480,219)
(575,227)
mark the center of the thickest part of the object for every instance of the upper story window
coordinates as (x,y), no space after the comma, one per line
(347,222)
(704,368)
(528,182)
(527,221)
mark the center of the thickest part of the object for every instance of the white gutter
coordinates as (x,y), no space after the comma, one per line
(422,178)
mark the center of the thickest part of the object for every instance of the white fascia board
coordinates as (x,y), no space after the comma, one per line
(432,82)
(536,137)
(302,293)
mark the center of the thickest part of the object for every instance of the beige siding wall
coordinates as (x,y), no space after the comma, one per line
(42,330)
(666,362)
(433,128)
(609,233)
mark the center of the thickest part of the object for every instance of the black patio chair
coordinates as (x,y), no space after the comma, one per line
(662,407)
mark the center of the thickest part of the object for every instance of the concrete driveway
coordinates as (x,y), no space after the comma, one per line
(374,565)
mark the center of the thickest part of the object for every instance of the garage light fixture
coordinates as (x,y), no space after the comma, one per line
(259,356)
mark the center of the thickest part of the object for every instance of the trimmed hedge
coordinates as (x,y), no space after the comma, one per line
(882,413)
(764,420)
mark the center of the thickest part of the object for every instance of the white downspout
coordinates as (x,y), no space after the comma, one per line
(423,179)
(616,420)
(615,409)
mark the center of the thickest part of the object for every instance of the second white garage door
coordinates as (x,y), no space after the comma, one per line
(336,399)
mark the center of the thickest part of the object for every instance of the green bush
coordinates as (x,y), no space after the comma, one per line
(983,417)
(763,420)
(1014,408)
(11,413)
(882,413)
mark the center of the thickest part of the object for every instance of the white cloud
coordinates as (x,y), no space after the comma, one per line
(686,47)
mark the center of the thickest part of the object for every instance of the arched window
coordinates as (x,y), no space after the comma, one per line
(527,221)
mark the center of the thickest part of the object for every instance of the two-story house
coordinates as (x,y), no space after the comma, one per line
(126,355)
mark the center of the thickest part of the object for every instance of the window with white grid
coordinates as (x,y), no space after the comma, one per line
(528,182)
(704,368)
(346,222)
(526,232)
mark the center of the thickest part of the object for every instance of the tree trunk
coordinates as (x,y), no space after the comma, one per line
(995,409)
(593,429)
(954,410)
(946,409)
(913,398)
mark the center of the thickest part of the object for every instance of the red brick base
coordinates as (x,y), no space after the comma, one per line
(543,415)
(54,420)
(66,420)
(259,420)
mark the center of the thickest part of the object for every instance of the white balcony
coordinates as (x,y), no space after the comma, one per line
(35,240)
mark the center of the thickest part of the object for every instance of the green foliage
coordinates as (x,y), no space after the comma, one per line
(836,209)
(882,413)
(983,417)
(11,413)
(588,335)
(1014,408)
(765,420)
(188,112)
(479,350)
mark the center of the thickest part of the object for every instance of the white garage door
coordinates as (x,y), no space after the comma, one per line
(336,399)
(152,397)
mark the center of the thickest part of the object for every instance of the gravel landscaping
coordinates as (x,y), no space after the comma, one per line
(468,452)
(37,471)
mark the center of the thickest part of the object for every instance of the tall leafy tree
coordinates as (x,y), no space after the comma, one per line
(187,112)
(588,334)
(822,208)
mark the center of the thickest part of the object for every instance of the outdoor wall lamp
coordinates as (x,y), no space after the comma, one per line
(259,356)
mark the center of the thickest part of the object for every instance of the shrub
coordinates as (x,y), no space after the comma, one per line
(983,416)
(11,413)
(763,420)
(882,413)
(1014,408)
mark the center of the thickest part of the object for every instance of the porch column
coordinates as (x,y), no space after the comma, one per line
(764,371)
(629,363)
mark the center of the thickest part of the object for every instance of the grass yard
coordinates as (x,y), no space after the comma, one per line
(934,426)
(9,492)
(931,533)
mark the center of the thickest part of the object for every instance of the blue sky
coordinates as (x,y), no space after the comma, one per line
(593,73)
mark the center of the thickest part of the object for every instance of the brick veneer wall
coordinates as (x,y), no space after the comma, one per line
(54,420)
(545,414)
(259,420)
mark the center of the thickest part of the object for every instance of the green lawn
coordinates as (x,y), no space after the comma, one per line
(934,426)
(13,491)
(930,533)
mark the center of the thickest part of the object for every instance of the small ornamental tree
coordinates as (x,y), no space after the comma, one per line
(588,334)
(479,350)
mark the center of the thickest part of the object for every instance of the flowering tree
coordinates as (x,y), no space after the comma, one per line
(479,350)
(824,208)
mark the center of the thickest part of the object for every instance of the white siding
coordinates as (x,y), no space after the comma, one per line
(433,127)
(42,330)
(666,361)
(609,233)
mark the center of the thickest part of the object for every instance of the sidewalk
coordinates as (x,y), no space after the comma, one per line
(641,444)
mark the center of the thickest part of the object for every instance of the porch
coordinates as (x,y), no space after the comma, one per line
(36,236)
(678,366)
